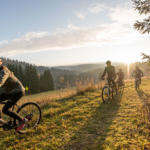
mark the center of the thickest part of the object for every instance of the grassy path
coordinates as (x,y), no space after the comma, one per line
(83,122)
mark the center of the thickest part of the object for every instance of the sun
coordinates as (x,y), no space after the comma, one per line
(128,61)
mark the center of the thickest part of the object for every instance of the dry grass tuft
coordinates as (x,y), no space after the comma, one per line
(89,86)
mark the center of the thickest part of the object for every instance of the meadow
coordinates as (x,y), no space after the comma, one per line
(76,120)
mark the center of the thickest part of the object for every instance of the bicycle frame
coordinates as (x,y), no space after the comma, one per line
(107,84)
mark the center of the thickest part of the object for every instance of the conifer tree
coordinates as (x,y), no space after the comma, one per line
(46,81)
(143,7)
(32,79)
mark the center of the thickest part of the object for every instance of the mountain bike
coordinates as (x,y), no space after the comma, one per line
(108,91)
(29,111)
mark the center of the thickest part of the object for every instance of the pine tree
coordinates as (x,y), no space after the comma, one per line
(146,58)
(21,74)
(46,81)
(143,6)
(32,79)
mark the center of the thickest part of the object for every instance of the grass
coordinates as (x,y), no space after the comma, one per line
(74,121)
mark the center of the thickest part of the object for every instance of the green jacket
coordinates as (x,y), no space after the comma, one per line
(137,73)
(110,71)
(9,83)
(120,75)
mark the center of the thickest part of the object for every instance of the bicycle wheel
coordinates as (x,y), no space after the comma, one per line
(105,94)
(32,113)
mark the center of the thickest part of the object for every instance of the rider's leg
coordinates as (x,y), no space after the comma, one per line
(109,81)
(13,98)
(3,97)
(114,85)
(140,80)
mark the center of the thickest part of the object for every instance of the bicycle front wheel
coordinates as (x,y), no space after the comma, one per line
(31,112)
(105,94)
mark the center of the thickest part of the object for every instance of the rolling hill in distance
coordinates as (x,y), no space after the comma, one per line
(69,75)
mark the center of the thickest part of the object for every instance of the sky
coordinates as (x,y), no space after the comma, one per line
(66,32)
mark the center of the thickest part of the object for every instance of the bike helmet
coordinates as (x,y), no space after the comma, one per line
(108,62)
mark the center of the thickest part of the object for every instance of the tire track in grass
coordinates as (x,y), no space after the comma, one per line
(94,132)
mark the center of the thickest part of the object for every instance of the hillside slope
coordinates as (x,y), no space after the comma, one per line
(83,122)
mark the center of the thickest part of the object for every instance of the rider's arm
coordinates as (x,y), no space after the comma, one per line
(3,76)
(104,73)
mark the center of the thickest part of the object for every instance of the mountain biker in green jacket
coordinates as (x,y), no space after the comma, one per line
(137,74)
(111,74)
(11,90)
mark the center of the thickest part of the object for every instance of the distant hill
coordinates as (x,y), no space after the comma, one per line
(82,67)
(68,76)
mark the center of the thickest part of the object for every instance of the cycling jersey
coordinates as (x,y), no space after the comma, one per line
(120,75)
(137,73)
(110,70)
(9,83)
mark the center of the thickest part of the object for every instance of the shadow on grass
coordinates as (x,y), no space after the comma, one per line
(142,95)
(64,102)
(93,134)
(145,97)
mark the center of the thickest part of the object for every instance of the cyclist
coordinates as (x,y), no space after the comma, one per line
(120,77)
(137,74)
(11,90)
(111,74)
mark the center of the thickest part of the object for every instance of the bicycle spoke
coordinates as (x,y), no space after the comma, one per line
(32,114)
(105,94)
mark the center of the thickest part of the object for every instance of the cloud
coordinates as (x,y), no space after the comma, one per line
(124,15)
(92,9)
(70,38)
(3,42)
(119,31)
(80,15)
(97,8)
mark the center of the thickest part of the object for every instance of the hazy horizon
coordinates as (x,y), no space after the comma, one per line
(74,64)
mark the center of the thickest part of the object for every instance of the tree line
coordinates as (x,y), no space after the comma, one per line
(32,80)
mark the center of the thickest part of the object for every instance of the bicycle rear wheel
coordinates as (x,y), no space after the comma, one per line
(105,94)
(32,113)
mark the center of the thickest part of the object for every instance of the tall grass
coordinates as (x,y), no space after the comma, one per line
(48,97)
(90,85)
